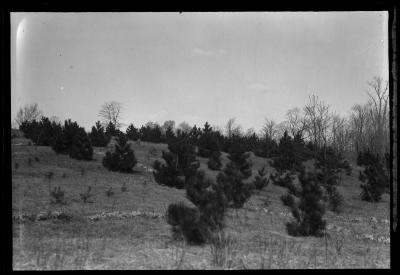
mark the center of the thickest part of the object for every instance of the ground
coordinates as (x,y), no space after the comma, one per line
(127,230)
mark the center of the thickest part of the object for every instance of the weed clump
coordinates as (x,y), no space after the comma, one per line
(85,196)
(123,187)
(57,195)
(223,249)
(109,192)
(49,175)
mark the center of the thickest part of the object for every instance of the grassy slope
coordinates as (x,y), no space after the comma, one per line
(144,243)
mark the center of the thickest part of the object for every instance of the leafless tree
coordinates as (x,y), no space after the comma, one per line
(111,112)
(270,128)
(379,113)
(339,134)
(295,121)
(28,113)
(232,128)
(317,118)
(250,132)
(358,124)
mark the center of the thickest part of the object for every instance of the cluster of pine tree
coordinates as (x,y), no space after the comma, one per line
(209,140)
(210,198)
(291,153)
(73,140)
(42,133)
(68,139)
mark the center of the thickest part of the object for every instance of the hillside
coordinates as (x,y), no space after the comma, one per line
(128,231)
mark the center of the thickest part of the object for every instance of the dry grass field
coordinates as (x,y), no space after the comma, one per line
(127,230)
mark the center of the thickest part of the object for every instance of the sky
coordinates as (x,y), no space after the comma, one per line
(194,67)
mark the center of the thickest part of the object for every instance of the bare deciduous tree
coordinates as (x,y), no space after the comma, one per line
(232,128)
(270,128)
(339,134)
(379,113)
(358,124)
(28,113)
(318,118)
(111,112)
(295,121)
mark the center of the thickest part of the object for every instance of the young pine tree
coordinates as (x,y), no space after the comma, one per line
(81,147)
(180,160)
(214,162)
(210,200)
(241,159)
(98,136)
(235,190)
(330,164)
(375,179)
(198,223)
(308,209)
(260,180)
(132,133)
(122,159)
(64,137)
(207,142)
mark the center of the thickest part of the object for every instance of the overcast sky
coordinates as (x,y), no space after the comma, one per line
(194,67)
